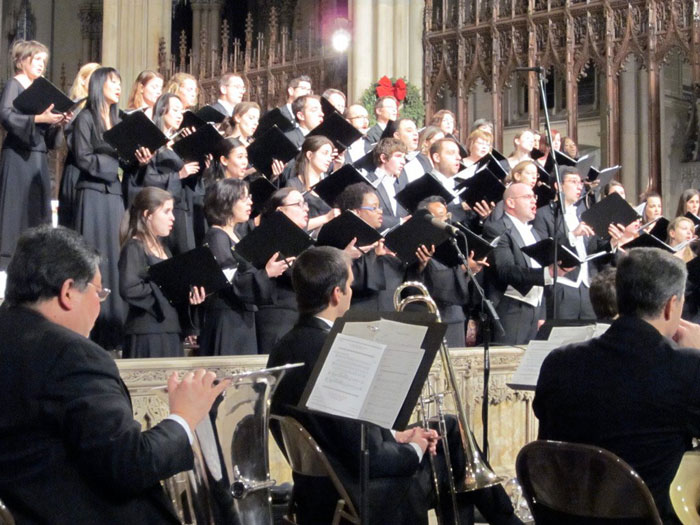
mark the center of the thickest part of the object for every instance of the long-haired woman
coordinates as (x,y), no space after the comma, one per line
(67,198)
(99,192)
(25,185)
(229,323)
(312,163)
(152,327)
(147,87)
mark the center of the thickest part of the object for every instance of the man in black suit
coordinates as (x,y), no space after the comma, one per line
(231,91)
(70,449)
(309,114)
(400,481)
(633,390)
(385,109)
(571,290)
(516,283)
(297,87)
(356,114)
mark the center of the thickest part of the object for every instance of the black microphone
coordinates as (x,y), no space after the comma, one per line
(453,231)
(536,69)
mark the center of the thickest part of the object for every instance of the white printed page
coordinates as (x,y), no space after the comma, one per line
(525,377)
(346,377)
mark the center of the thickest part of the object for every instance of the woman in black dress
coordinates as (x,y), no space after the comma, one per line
(312,163)
(25,185)
(152,327)
(67,198)
(100,204)
(166,169)
(229,323)
(275,320)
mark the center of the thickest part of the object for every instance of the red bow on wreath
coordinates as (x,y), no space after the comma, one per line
(386,89)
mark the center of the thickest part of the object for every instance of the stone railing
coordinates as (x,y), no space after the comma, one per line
(511,421)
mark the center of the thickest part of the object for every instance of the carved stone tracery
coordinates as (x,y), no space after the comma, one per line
(567,35)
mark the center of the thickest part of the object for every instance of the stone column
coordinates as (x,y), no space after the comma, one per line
(629,126)
(387,40)
(214,32)
(361,56)
(131,30)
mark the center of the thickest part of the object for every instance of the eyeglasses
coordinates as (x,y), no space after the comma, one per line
(531,197)
(371,208)
(358,116)
(102,293)
(299,204)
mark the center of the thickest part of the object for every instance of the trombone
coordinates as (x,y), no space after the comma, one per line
(477,474)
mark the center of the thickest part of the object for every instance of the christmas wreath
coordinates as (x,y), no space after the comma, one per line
(409,97)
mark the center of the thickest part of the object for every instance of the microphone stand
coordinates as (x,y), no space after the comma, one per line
(488,314)
(559,208)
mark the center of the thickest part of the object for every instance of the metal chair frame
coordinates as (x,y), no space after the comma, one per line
(305,457)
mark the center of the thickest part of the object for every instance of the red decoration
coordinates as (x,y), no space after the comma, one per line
(386,89)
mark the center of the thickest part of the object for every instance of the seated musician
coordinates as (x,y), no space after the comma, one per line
(70,449)
(400,480)
(635,390)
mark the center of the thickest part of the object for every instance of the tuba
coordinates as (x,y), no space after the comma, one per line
(230,482)
(478,474)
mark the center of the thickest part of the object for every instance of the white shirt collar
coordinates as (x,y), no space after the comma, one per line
(227,106)
(326,321)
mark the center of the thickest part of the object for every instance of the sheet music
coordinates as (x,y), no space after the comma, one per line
(525,377)
(346,377)
(564,335)
(397,368)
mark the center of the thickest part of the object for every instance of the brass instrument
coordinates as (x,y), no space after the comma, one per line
(477,474)
(230,481)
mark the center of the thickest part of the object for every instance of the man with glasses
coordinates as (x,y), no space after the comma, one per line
(297,87)
(357,116)
(516,281)
(231,91)
(571,290)
(70,449)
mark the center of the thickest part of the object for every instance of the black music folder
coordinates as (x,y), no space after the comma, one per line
(273,144)
(191,120)
(328,107)
(660,229)
(612,209)
(338,130)
(446,253)
(274,117)
(462,149)
(425,186)
(694,270)
(543,252)
(366,162)
(693,217)
(405,238)
(136,130)
(536,154)
(389,130)
(332,186)
(261,190)
(483,185)
(362,349)
(646,240)
(277,233)
(176,276)
(603,176)
(40,95)
(496,163)
(195,147)
(344,228)
(209,114)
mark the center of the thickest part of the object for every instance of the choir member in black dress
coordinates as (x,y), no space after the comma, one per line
(166,169)
(275,320)
(147,87)
(152,328)
(229,322)
(67,199)
(25,185)
(231,162)
(312,163)
(189,208)
(100,204)
(377,271)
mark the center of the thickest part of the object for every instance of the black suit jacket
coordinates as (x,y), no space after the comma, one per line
(218,106)
(374,133)
(284,109)
(630,391)
(296,136)
(509,266)
(396,481)
(70,449)
(389,219)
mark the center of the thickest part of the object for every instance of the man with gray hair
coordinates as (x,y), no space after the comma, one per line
(635,390)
